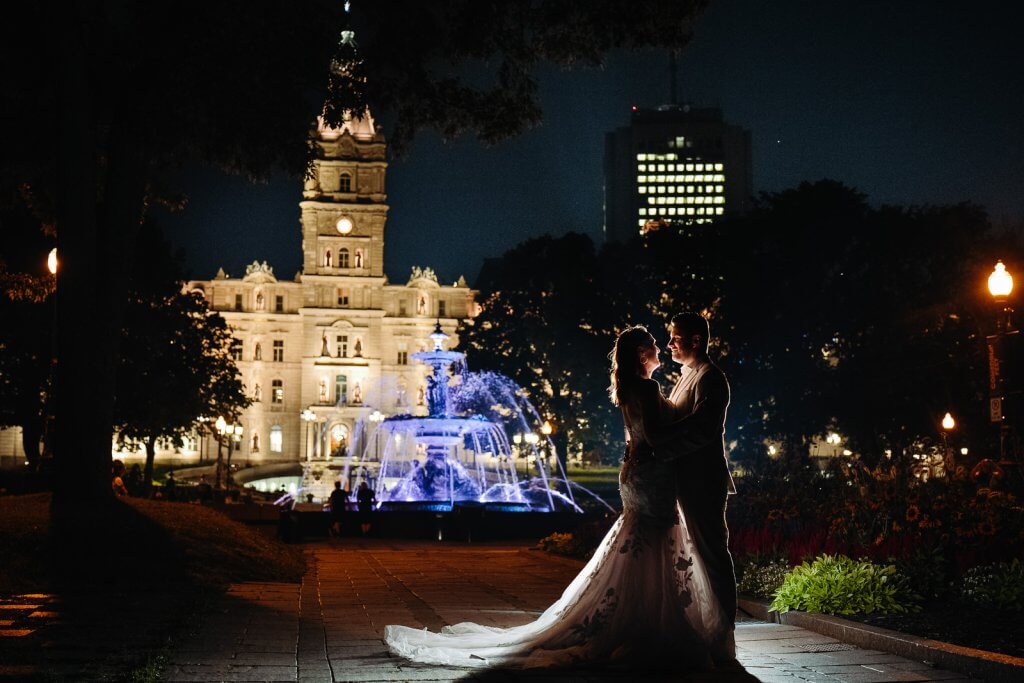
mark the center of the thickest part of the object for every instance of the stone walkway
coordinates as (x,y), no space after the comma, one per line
(330,627)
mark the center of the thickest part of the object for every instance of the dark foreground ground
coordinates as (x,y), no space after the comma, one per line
(329,627)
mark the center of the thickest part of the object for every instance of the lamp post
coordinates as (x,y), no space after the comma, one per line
(948,425)
(222,428)
(531,440)
(1000,285)
(234,443)
(546,430)
(308,416)
(51,265)
(376,417)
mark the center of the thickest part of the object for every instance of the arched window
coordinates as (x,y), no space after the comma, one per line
(341,389)
(276,439)
(345,182)
(343,258)
(257,353)
(277,391)
(327,258)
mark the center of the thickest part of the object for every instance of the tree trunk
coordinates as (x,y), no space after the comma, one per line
(81,474)
(147,471)
(91,278)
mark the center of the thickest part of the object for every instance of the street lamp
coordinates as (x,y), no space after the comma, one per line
(51,265)
(308,416)
(1000,285)
(222,429)
(236,443)
(376,417)
(948,425)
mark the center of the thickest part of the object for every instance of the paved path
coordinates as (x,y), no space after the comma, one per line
(330,627)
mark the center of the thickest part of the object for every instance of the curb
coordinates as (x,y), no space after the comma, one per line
(990,666)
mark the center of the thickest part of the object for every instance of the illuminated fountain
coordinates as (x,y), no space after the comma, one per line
(448,457)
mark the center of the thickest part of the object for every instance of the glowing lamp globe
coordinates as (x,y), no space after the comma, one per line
(344,225)
(51,261)
(546,428)
(948,422)
(1000,282)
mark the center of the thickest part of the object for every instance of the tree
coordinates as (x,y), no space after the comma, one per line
(26,335)
(826,314)
(176,364)
(128,89)
(544,322)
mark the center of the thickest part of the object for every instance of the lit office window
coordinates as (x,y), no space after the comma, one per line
(719,211)
(719,167)
(276,440)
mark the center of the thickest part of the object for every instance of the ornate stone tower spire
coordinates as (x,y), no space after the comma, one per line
(343,207)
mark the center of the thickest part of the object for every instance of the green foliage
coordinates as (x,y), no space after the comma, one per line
(927,569)
(563,544)
(175,362)
(838,585)
(545,323)
(999,586)
(762,579)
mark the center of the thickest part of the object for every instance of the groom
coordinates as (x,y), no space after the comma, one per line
(703,482)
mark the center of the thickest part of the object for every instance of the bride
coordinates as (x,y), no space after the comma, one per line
(644,598)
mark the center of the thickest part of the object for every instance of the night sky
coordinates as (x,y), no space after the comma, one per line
(911,102)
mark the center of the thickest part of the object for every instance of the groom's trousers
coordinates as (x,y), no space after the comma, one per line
(704,511)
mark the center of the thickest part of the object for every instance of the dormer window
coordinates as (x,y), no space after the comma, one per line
(345,183)
(343,258)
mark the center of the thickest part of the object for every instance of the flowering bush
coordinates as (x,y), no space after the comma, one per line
(794,510)
(999,585)
(762,579)
(835,584)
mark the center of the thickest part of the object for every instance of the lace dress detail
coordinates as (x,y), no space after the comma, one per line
(643,598)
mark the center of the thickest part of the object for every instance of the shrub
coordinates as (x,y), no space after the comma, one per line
(762,579)
(835,584)
(998,585)
(563,544)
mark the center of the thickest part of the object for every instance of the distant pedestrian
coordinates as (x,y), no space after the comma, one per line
(117,469)
(338,499)
(171,486)
(364,501)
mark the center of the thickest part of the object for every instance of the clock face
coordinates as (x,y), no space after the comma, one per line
(344,225)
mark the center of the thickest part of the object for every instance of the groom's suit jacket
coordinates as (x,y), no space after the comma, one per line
(700,399)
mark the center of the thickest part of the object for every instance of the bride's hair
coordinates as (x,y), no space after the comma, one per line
(626,366)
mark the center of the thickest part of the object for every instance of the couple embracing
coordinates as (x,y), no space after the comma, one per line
(660,590)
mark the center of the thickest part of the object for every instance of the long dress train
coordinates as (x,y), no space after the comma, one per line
(644,597)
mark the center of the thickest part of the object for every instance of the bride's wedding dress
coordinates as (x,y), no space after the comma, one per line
(643,598)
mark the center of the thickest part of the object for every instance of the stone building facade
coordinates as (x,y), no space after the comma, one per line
(320,353)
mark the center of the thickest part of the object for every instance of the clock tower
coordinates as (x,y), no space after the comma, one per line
(343,207)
